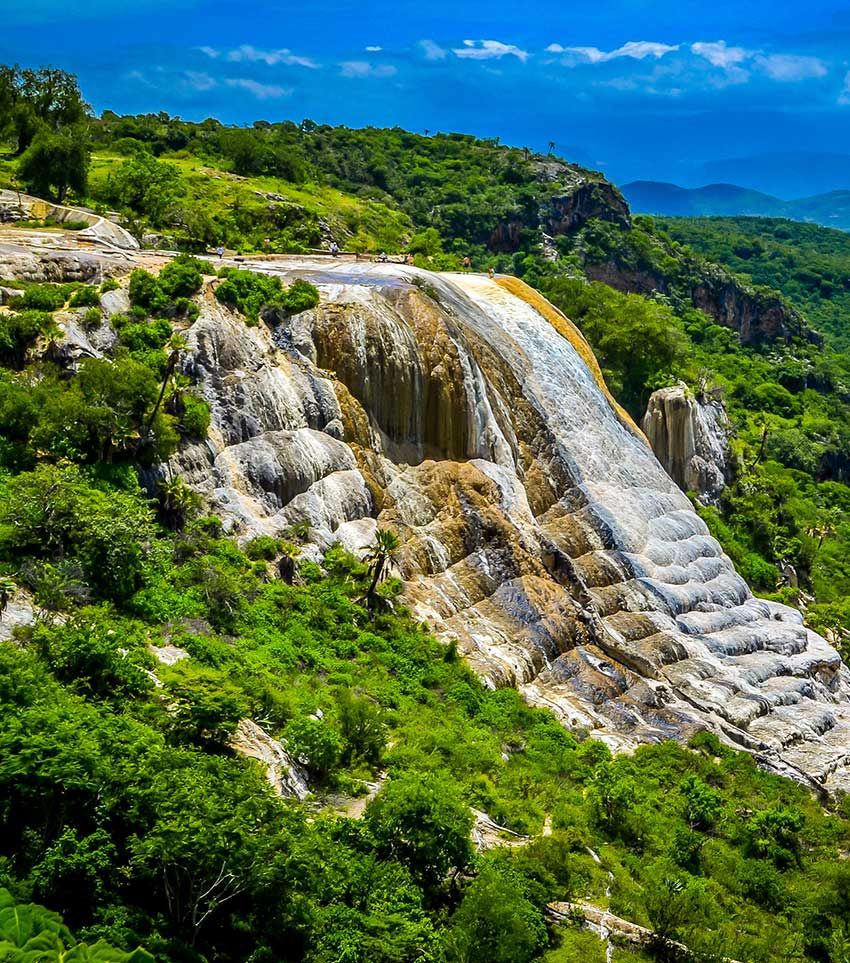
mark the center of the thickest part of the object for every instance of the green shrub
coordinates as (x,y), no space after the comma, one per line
(19,331)
(42,297)
(496,922)
(251,294)
(315,744)
(182,277)
(194,420)
(92,318)
(263,547)
(146,292)
(421,820)
(53,511)
(86,296)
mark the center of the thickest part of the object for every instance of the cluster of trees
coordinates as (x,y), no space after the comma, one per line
(44,114)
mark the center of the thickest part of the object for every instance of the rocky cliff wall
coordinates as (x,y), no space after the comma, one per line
(690,437)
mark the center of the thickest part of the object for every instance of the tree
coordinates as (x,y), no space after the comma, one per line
(53,97)
(378,558)
(33,100)
(674,905)
(145,187)
(421,820)
(55,164)
(210,826)
(496,922)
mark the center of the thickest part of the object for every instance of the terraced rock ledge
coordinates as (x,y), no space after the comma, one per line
(538,529)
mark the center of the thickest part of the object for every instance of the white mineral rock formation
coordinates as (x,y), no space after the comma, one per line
(690,438)
(537,527)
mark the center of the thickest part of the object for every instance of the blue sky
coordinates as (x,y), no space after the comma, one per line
(637,89)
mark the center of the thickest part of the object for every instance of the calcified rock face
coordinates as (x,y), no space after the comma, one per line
(691,440)
(537,526)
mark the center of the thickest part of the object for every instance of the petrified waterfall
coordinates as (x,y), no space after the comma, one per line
(690,437)
(538,528)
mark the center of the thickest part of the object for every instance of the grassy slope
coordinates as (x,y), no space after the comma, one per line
(365,224)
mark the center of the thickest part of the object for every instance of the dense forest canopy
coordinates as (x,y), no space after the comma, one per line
(122,804)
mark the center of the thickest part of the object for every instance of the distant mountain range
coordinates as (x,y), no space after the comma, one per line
(785,174)
(831,209)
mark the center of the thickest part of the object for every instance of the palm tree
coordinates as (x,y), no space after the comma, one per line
(176,344)
(177,501)
(551,147)
(287,566)
(380,556)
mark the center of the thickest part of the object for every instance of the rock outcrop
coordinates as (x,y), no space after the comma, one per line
(99,229)
(573,196)
(537,527)
(757,316)
(690,437)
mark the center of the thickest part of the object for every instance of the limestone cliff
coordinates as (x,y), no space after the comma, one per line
(537,527)
(758,316)
(690,437)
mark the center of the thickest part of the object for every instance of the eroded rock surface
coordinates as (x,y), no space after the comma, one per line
(537,527)
(690,437)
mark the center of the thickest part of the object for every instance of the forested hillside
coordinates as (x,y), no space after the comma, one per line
(124,805)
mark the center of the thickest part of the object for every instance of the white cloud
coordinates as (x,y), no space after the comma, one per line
(374,49)
(362,68)
(248,54)
(788,68)
(433,51)
(784,68)
(489,50)
(260,91)
(719,54)
(634,49)
(198,80)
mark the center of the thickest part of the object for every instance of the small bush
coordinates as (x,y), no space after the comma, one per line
(42,297)
(262,547)
(194,420)
(92,318)
(252,294)
(315,744)
(85,297)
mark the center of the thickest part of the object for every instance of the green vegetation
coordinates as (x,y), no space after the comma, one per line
(123,803)
(30,932)
(810,265)
(126,809)
(253,294)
